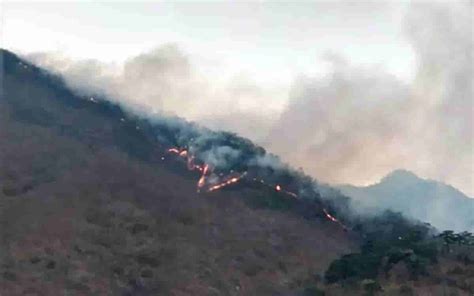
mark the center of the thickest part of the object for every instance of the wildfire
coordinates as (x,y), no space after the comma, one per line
(333,219)
(226,182)
(202,180)
(206,171)
(329,216)
(174,150)
(279,189)
(294,195)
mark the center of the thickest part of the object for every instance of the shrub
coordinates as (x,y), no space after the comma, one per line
(357,265)
(406,291)
(270,201)
(313,291)
(371,286)
(417,265)
(389,236)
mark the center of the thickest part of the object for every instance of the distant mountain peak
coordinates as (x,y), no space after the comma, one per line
(401,176)
(421,199)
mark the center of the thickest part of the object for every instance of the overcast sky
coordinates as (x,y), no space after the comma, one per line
(350,81)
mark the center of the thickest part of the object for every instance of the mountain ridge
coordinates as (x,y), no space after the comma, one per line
(96,200)
(92,202)
(424,199)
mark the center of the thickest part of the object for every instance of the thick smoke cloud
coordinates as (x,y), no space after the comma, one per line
(358,124)
(337,126)
(353,125)
(443,40)
(165,81)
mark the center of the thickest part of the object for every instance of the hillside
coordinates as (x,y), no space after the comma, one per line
(439,204)
(94,201)
(88,206)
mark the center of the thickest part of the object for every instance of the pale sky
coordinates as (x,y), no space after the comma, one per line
(269,62)
(272,41)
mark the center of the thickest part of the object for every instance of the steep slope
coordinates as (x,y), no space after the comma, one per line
(436,203)
(92,204)
(97,201)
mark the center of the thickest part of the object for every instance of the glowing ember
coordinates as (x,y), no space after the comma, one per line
(206,170)
(191,165)
(202,180)
(226,183)
(333,219)
(173,150)
(329,216)
(279,189)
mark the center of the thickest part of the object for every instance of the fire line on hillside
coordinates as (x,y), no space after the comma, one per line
(206,171)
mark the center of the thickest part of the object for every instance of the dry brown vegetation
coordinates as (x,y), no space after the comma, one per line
(87,207)
(93,221)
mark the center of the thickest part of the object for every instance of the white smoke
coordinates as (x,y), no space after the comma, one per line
(165,81)
(359,123)
(354,125)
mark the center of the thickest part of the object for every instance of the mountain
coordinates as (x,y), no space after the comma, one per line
(92,203)
(98,200)
(439,204)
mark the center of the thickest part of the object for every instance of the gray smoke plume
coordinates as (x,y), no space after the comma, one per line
(359,123)
(353,125)
(165,81)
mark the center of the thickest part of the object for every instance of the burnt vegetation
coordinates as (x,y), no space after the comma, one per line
(92,204)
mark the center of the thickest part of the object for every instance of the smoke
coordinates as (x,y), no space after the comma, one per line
(353,125)
(165,81)
(359,123)
(442,37)
(337,126)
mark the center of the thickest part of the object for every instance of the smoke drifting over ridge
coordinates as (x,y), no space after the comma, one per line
(354,125)
(165,81)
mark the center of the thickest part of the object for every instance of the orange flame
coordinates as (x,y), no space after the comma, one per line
(279,189)
(205,171)
(173,150)
(333,219)
(202,180)
(329,216)
(226,183)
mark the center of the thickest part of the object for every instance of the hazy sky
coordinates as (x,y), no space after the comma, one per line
(348,90)
(272,41)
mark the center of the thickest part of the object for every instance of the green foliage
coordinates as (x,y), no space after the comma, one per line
(388,239)
(359,266)
(449,237)
(417,265)
(427,249)
(371,286)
